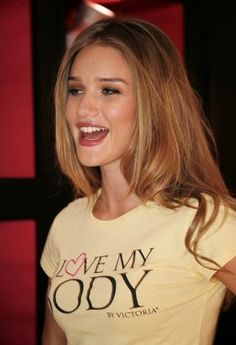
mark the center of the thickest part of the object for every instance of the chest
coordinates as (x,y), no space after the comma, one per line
(131,268)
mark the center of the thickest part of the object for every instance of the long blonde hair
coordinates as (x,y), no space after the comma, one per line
(169,159)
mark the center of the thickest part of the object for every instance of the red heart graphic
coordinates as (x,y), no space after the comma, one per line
(73,266)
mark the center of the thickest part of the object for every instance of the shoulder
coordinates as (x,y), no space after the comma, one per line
(220,236)
(216,222)
(73,209)
(219,212)
(216,242)
(224,219)
(73,213)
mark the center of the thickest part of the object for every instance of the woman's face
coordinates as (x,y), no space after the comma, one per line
(101,105)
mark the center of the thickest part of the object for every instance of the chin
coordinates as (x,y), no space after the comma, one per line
(88,162)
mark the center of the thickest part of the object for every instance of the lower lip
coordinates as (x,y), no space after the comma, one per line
(90,142)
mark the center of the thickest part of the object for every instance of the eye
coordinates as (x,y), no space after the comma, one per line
(107,91)
(74,91)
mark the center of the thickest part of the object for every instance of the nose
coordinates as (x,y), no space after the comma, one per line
(87,105)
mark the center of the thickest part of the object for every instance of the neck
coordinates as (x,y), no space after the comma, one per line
(115,198)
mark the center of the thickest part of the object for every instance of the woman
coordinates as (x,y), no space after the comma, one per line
(146,253)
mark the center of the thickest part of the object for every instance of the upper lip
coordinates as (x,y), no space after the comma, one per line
(90,124)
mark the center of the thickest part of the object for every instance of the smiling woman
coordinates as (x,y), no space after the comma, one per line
(148,250)
(101,105)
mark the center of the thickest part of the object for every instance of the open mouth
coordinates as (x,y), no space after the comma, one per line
(92,135)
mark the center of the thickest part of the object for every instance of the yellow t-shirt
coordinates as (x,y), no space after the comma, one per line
(130,280)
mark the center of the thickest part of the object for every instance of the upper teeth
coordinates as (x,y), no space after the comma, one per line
(92,129)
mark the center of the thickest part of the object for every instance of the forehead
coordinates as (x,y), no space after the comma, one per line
(100,58)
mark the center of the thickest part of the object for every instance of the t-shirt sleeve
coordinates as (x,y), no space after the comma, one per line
(219,243)
(50,257)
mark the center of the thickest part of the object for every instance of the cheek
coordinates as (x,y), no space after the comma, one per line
(129,119)
(69,112)
(124,115)
(124,127)
(71,121)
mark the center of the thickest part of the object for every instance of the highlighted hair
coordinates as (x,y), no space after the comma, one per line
(169,159)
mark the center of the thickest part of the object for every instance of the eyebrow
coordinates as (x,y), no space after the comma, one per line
(103,79)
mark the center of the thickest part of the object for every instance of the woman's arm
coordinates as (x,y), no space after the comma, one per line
(52,333)
(227,275)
